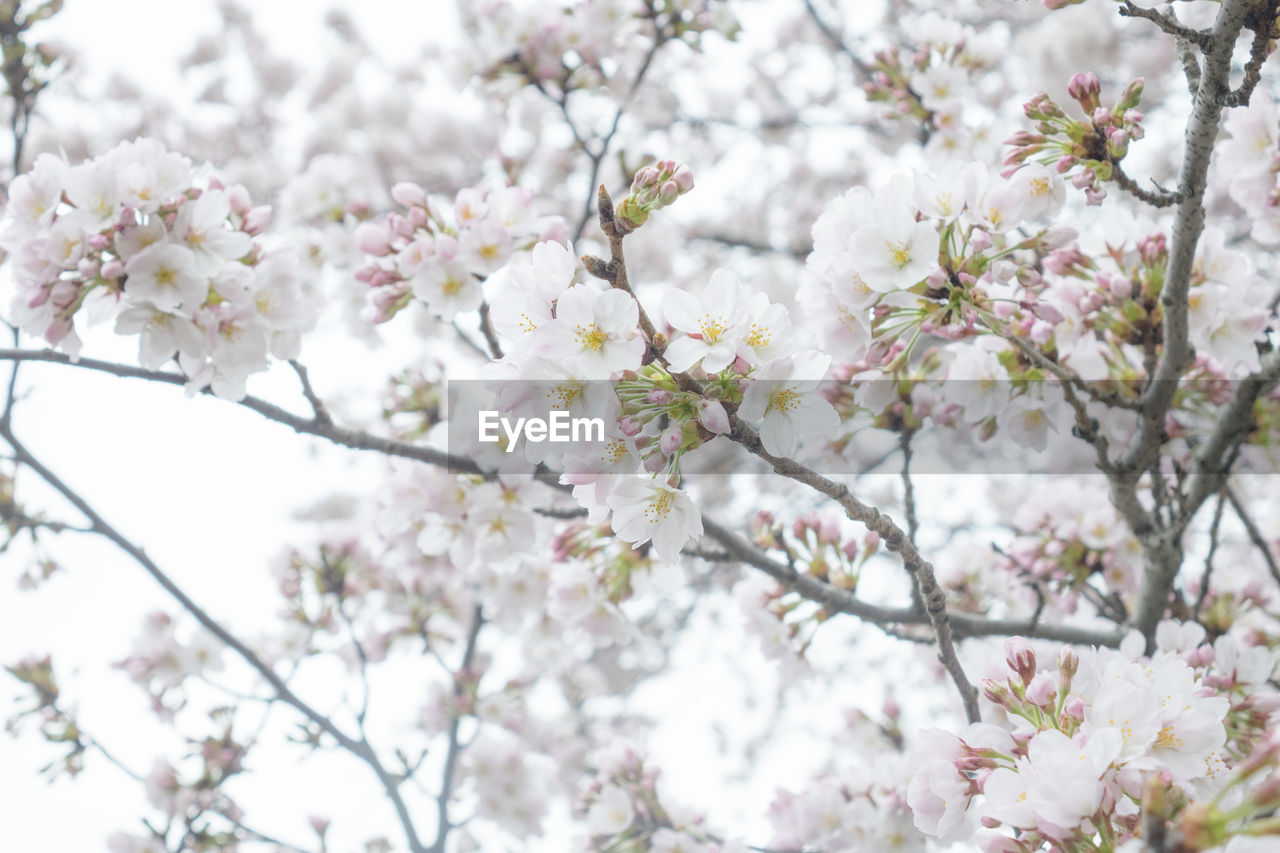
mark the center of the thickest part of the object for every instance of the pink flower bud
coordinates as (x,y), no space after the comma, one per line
(400,225)
(63,293)
(409,195)
(88,267)
(257,220)
(98,242)
(112,269)
(1041,332)
(58,329)
(654,462)
(1057,236)
(1047,312)
(979,240)
(629,426)
(1042,689)
(1068,663)
(711,414)
(668,192)
(670,440)
(1021,658)
(658,396)
(373,239)
(996,692)
(645,178)
(1084,89)
(684,179)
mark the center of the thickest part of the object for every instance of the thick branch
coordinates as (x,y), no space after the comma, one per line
(1201,132)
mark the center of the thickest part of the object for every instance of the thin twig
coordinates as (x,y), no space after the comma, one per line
(1168,24)
(1214,527)
(318,410)
(1255,533)
(454,747)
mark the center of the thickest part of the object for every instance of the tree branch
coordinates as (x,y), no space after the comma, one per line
(1255,533)
(1168,24)
(444,825)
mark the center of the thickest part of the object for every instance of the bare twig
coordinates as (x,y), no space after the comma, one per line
(1214,528)
(454,747)
(1156,198)
(837,41)
(319,412)
(1169,24)
(1255,533)
(1259,50)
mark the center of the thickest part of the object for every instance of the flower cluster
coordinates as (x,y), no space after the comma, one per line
(1087,745)
(137,234)
(1096,146)
(626,812)
(858,800)
(160,662)
(1254,154)
(654,187)
(935,79)
(440,252)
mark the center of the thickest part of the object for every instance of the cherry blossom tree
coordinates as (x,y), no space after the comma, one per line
(931,347)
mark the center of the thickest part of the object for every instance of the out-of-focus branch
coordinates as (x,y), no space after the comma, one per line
(837,41)
(1234,423)
(444,824)
(1255,533)
(1214,529)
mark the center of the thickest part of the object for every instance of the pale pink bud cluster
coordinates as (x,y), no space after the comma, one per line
(654,187)
(137,235)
